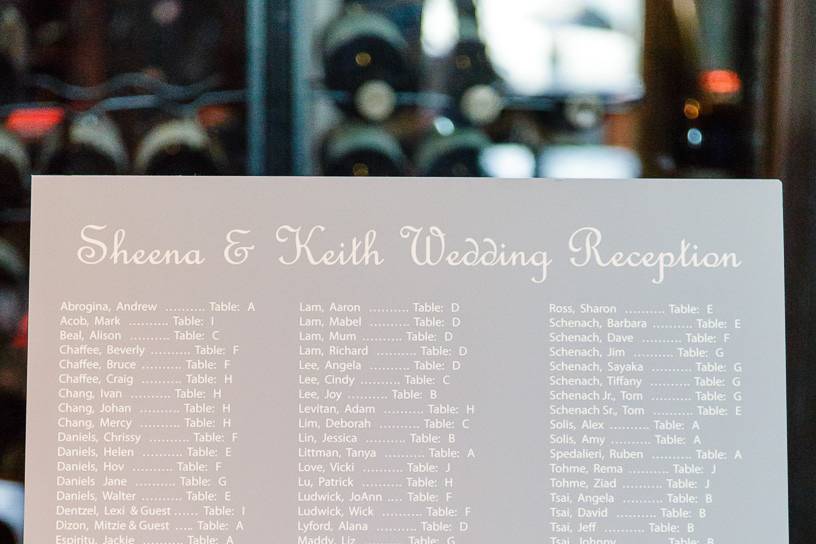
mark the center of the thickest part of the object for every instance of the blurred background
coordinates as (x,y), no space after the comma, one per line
(444,88)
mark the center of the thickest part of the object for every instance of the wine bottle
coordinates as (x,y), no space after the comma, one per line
(15,170)
(88,144)
(470,77)
(455,155)
(179,41)
(180,147)
(366,56)
(583,112)
(12,287)
(13,52)
(362,150)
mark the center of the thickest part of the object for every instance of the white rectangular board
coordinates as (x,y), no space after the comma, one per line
(314,361)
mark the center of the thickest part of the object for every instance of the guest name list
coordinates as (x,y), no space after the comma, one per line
(370,380)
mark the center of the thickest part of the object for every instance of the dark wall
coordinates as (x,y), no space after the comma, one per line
(793,159)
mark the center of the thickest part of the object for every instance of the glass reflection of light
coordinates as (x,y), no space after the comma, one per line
(695,137)
(440,27)
(589,162)
(444,126)
(541,46)
(508,161)
(11,507)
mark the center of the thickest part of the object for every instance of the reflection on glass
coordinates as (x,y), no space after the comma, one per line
(549,46)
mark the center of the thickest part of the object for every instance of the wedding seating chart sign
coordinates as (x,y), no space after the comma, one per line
(406,361)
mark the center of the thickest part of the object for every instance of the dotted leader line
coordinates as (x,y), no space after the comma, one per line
(162,324)
(671,458)
(629,428)
(403,427)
